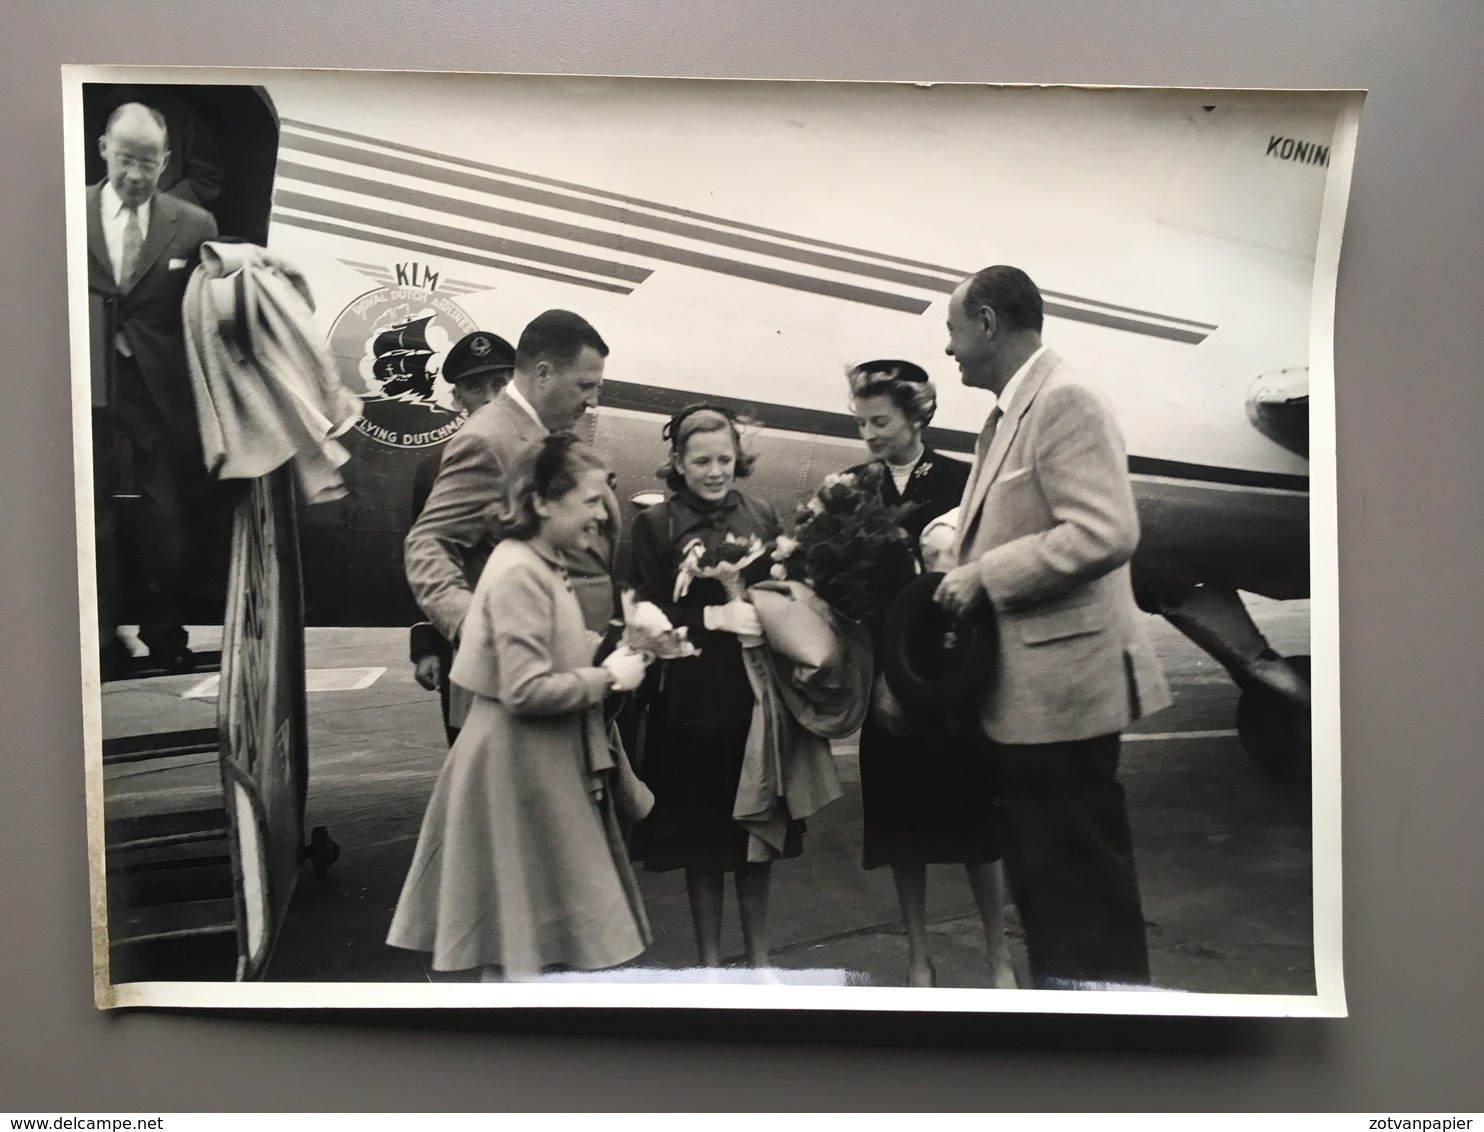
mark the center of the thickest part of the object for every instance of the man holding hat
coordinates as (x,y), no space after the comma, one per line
(1045,533)
(478,366)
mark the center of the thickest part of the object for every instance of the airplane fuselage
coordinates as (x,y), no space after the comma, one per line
(751,241)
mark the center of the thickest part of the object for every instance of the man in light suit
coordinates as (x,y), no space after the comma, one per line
(1045,533)
(558,374)
(142,248)
(478,366)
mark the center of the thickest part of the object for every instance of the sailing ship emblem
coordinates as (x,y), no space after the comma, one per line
(400,360)
(389,345)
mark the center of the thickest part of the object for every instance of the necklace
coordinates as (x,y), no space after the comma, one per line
(903,469)
(901,474)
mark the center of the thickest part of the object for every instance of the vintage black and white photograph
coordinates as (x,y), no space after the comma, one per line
(560,540)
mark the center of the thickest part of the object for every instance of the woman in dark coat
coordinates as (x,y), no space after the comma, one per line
(927,800)
(698,719)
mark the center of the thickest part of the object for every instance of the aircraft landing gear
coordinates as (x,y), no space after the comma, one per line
(1274,727)
(1273,714)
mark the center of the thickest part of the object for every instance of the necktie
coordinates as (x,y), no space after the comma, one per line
(991,426)
(128,264)
(967,532)
(133,241)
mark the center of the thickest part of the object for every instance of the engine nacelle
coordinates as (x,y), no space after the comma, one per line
(1278,407)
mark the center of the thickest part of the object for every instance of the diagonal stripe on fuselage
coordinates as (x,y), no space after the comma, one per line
(659,401)
(591,237)
(513,185)
(390,239)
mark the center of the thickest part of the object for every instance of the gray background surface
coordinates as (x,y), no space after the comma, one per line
(1410,374)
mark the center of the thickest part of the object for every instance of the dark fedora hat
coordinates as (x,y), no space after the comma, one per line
(934,663)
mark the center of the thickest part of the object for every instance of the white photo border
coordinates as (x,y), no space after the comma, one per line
(1329,999)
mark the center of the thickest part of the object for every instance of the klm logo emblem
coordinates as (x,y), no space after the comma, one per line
(1291,149)
(416,275)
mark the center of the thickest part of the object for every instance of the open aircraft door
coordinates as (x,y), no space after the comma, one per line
(261,718)
(162,893)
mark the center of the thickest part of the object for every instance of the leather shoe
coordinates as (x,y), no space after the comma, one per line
(113,660)
(179,659)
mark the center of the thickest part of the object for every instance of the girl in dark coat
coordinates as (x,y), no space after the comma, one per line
(925,801)
(696,730)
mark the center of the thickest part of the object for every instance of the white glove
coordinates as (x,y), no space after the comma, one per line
(646,617)
(737,617)
(627,669)
(937,543)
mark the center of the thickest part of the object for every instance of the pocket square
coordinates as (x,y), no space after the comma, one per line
(1018,473)
(177,264)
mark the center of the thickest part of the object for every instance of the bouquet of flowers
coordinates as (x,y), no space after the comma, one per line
(725,563)
(849,546)
(648,630)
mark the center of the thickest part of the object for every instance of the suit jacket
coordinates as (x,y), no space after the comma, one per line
(149,315)
(1048,518)
(424,640)
(448,545)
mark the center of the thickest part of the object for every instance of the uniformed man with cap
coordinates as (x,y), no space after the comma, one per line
(478,367)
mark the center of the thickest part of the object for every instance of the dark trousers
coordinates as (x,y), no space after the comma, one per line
(170,481)
(106,476)
(425,641)
(443,694)
(1069,861)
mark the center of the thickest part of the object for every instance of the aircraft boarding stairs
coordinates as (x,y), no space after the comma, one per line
(200,877)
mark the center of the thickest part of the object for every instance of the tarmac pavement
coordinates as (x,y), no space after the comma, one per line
(1223,851)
